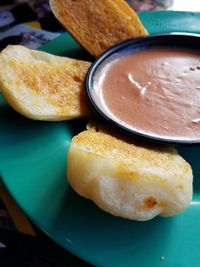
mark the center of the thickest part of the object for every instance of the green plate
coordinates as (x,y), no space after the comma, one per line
(33,168)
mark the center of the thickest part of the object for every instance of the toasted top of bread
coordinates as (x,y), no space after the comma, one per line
(41,86)
(127,179)
(98,24)
(101,138)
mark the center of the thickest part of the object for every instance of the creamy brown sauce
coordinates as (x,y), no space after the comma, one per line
(155,91)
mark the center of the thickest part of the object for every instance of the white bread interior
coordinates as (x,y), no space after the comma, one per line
(127,179)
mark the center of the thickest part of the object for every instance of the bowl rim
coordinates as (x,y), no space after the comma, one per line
(190,38)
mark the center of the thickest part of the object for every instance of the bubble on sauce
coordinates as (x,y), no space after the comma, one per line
(196,120)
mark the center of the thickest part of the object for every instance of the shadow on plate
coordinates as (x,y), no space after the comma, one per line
(82,224)
(16,129)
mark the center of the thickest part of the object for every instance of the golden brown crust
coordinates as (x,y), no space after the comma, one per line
(43,86)
(98,24)
(101,140)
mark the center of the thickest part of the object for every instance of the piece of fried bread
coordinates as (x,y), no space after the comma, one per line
(42,86)
(127,179)
(98,24)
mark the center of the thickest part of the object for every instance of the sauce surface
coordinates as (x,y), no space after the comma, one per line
(154,91)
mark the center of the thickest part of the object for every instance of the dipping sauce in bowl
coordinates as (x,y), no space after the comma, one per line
(151,87)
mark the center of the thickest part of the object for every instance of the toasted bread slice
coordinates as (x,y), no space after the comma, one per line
(98,24)
(41,86)
(127,179)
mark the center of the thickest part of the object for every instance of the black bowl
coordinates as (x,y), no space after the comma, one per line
(182,40)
